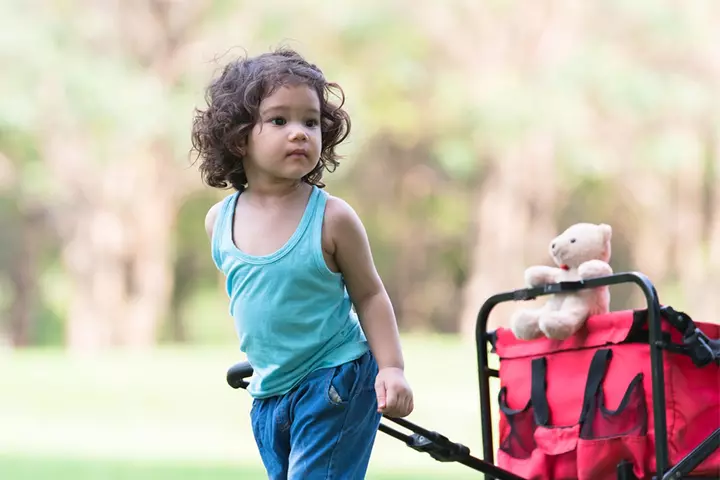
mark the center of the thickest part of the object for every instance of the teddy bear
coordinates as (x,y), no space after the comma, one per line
(580,252)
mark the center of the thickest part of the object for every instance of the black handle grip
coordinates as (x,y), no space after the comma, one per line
(237,374)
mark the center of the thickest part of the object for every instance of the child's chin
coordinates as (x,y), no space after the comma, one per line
(294,175)
(298,172)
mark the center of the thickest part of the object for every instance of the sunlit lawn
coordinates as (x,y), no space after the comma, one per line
(170,415)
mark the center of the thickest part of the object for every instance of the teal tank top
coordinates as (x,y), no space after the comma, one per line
(292,314)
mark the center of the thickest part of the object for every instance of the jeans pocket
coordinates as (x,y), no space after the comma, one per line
(344,382)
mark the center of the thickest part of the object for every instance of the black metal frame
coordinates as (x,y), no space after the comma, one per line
(696,344)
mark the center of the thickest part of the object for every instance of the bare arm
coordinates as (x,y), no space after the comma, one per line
(210,219)
(372,303)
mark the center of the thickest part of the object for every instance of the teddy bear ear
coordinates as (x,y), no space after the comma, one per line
(606,231)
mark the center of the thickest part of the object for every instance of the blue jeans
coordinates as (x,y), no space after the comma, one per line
(324,428)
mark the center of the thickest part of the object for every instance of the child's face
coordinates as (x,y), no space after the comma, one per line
(286,141)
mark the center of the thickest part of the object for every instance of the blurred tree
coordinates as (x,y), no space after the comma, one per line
(481,129)
(109,81)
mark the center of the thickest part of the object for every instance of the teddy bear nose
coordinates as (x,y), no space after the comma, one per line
(552,246)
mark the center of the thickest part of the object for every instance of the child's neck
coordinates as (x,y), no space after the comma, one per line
(275,190)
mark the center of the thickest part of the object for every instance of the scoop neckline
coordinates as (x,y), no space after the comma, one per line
(289,244)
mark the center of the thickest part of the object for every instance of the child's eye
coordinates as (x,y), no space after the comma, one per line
(312,123)
(278,121)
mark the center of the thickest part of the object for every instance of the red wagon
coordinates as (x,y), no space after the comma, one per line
(635,395)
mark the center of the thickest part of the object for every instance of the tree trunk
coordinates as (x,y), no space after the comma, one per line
(650,232)
(689,254)
(120,211)
(24,279)
(150,265)
(117,230)
(94,258)
(707,308)
(514,224)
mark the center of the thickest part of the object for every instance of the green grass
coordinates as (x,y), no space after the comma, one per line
(168,414)
(17,468)
(30,468)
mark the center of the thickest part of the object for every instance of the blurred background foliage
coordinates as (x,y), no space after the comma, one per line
(481,129)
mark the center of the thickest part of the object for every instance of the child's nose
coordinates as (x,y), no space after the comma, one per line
(298,134)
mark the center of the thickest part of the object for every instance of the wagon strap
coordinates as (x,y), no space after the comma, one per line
(698,346)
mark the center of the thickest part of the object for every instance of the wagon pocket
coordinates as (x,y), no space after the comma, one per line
(518,452)
(609,436)
(529,445)
(533,446)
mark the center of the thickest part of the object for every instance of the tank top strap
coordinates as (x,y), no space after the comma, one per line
(315,233)
(318,216)
(306,228)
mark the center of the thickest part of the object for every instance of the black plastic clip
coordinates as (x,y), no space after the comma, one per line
(523,295)
(440,448)
(698,346)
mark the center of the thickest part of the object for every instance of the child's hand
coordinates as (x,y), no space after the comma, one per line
(394,396)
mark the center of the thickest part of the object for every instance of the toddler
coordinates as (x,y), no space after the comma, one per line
(296,261)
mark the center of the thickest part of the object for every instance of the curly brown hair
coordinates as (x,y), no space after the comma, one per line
(220,131)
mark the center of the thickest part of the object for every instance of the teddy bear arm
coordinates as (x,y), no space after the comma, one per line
(540,275)
(594,269)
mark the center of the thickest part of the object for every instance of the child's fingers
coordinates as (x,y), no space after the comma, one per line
(391,399)
(400,405)
(409,406)
(404,404)
(381,393)
(395,404)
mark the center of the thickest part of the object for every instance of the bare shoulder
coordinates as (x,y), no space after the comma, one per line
(351,249)
(341,217)
(211,217)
